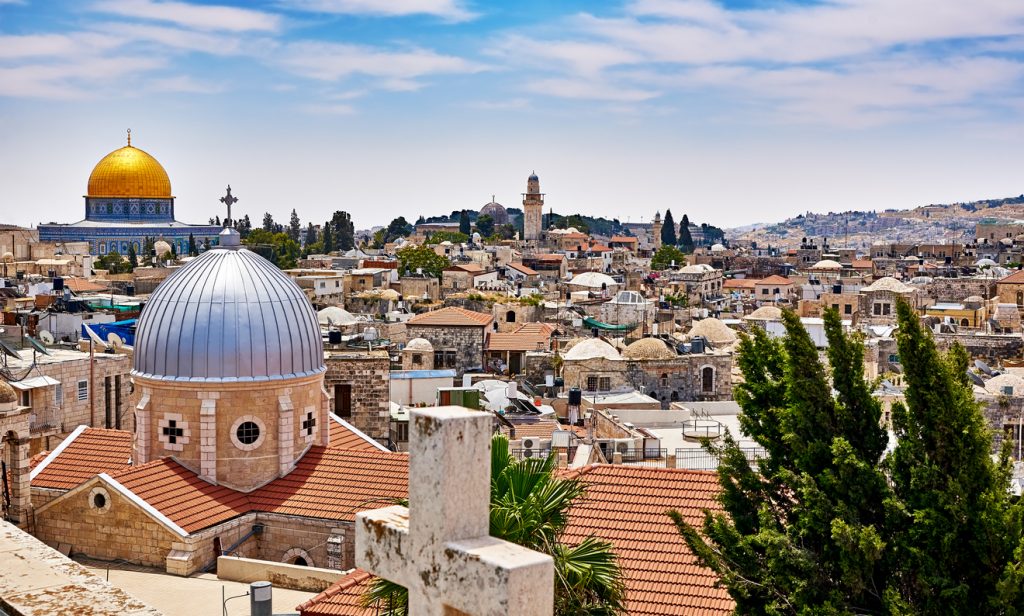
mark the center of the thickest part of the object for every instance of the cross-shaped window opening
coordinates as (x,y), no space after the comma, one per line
(172,431)
(308,424)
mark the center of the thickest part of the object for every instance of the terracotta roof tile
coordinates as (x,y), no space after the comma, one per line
(346,436)
(519,267)
(774,279)
(82,456)
(342,598)
(1014,278)
(526,337)
(739,283)
(331,483)
(626,505)
(83,285)
(452,317)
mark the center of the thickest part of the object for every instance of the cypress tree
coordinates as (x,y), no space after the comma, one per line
(668,230)
(328,236)
(955,528)
(685,239)
(803,532)
(464,225)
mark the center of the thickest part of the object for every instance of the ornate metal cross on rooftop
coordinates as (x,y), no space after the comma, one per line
(439,548)
(228,200)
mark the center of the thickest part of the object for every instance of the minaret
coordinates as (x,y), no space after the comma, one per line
(533,209)
(656,230)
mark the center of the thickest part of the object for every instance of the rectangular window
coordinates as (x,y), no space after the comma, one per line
(58,394)
(878,309)
(439,359)
(605,383)
(449,359)
(83,390)
(26,397)
(835,307)
(886,308)
(591,383)
(764,291)
(848,309)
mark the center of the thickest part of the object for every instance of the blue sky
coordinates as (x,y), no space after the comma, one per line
(731,112)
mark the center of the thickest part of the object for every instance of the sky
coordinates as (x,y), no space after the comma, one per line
(732,112)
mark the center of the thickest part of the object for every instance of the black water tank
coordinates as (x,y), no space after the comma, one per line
(58,284)
(575,396)
(334,337)
(129,290)
(697,344)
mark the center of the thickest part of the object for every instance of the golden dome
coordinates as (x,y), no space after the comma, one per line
(129,172)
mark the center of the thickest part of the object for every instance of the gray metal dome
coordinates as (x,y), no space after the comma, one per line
(229,315)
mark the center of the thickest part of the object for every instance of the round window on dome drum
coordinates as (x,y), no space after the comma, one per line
(247,433)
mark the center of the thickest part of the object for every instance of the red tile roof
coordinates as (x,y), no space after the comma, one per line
(342,598)
(85,453)
(346,436)
(623,239)
(179,494)
(83,285)
(334,484)
(327,483)
(519,267)
(526,337)
(774,279)
(739,283)
(452,317)
(1014,278)
(626,505)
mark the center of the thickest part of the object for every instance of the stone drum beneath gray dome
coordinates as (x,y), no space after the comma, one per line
(229,315)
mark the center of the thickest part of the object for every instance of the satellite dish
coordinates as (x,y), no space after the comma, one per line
(980,365)
(976,379)
(38,346)
(114,340)
(46,337)
(94,336)
(7,350)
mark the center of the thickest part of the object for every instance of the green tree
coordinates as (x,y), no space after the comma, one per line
(464,225)
(958,535)
(530,507)
(397,228)
(665,255)
(506,231)
(192,250)
(277,248)
(412,258)
(114,263)
(668,230)
(485,225)
(294,226)
(268,222)
(450,236)
(133,259)
(244,227)
(328,238)
(805,532)
(312,237)
(685,239)
(344,230)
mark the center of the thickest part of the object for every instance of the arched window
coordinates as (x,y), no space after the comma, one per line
(965,322)
(664,379)
(1020,298)
(707,377)
(510,316)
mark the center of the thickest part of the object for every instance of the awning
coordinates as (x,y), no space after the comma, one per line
(34,382)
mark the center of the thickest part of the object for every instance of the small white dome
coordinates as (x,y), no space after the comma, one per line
(591,348)
(718,248)
(714,330)
(419,344)
(827,264)
(593,280)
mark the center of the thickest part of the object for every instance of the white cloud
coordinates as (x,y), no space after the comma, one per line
(185,84)
(589,89)
(397,69)
(199,17)
(218,44)
(83,78)
(501,105)
(328,109)
(449,10)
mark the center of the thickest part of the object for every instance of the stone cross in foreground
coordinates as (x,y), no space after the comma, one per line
(439,548)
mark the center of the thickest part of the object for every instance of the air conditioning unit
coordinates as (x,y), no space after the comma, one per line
(531,442)
(625,446)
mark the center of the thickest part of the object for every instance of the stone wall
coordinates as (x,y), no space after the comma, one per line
(466,342)
(118,529)
(681,379)
(991,347)
(368,372)
(520,314)
(284,537)
(208,417)
(959,289)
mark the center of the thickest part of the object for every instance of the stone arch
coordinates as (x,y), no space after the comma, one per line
(298,556)
(510,316)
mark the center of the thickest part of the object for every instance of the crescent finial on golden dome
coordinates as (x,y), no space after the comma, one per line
(129,137)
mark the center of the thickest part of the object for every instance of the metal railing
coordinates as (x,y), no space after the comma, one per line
(701,460)
(701,425)
(646,457)
(520,454)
